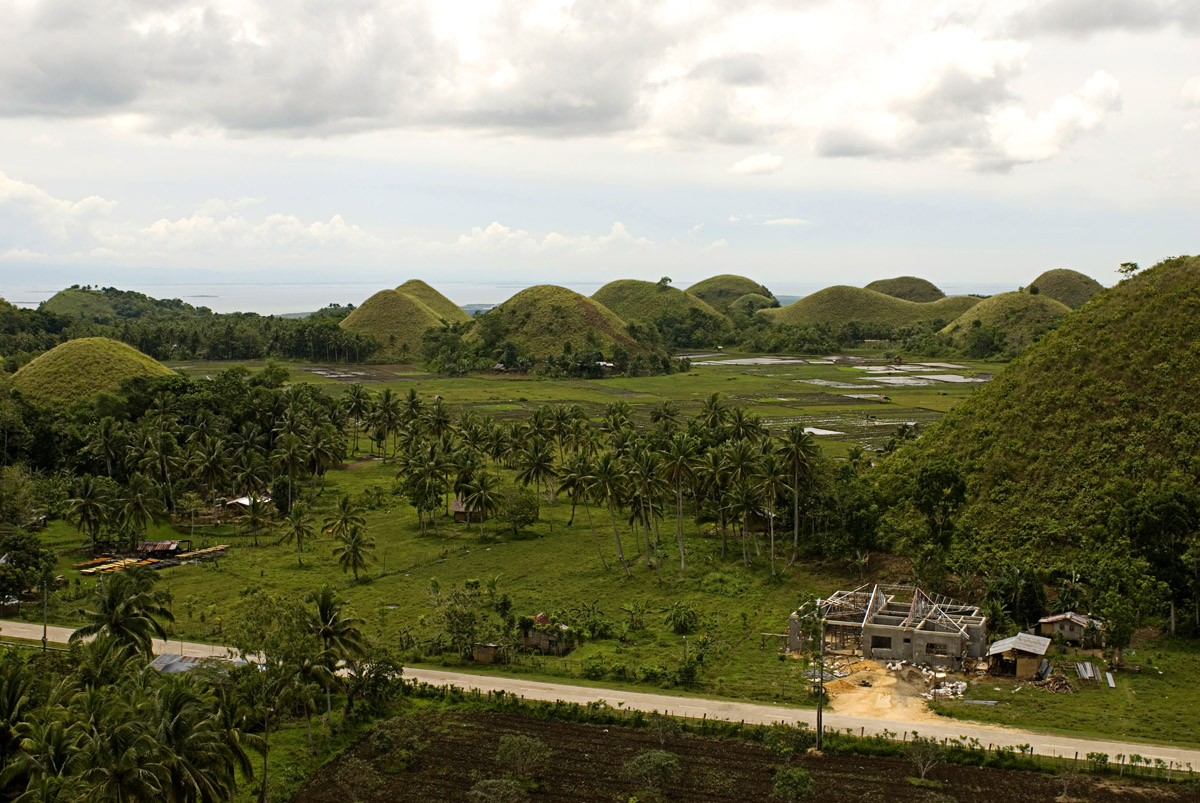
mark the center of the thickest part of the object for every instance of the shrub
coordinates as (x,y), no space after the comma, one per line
(524,756)
(652,770)
(791,784)
(497,790)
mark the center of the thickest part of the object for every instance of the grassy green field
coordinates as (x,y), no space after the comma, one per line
(1159,703)
(783,394)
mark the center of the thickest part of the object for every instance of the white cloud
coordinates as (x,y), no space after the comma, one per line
(758,165)
(55,217)
(785,221)
(908,79)
(1189,95)
(1018,137)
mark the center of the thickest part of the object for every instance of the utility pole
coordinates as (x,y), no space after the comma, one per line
(820,677)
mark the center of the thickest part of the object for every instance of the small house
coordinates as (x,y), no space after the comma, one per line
(547,638)
(1073,628)
(1020,656)
(487,654)
(464,516)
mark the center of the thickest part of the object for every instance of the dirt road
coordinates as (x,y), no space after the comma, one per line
(697,707)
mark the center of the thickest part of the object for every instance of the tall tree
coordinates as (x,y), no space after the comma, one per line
(354,551)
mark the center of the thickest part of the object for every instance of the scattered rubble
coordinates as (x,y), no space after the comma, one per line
(1057,684)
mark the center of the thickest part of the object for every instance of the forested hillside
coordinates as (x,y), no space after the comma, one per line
(1081,460)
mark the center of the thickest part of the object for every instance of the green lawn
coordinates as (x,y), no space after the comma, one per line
(1161,703)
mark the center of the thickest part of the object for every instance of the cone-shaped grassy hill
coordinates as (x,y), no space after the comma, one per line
(1022,316)
(909,288)
(1068,286)
(437,302)
(79,369)
(842,304)
(540,319)
(397,320)
(1102,408)
(721,291)
(684,319)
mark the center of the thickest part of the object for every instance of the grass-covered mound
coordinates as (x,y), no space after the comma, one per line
(840,305)
(1021,316)
(79,369)
(1103,407)
(683,319)
(751,303)
(397,320)
(539,320)
(437,302)
(1068,286)
(721,291)
(110,304)
(909,288)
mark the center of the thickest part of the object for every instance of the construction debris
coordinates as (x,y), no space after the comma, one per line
(1057,684)
(947,690)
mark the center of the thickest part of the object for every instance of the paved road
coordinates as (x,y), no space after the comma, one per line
(697,707)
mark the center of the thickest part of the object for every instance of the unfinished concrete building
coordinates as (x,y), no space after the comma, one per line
(896,623)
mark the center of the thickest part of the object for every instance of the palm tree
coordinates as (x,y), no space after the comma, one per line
(577,479)
(356,401)
(88,507)
(678,462)
(123,609)
(743,501)
(354,551)
(297,526)
(799,453)
(482,496)
(536,467)
(345,515)
(198,765)
(290,457)
(210,465)
(609,488)
(338,633)
(772,486)
(257,517)
(139,505)
(106,442)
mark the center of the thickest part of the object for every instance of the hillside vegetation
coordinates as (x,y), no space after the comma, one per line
(1059,448)
(397,320)
(909,288)
(839,305)
(1068,286)
(721,291)
(437,302)
(110,304)
(79,369)
(682,318)
(540,320)
(1021,317)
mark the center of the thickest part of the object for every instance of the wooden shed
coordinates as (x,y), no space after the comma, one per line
(464,516)
(1020,656)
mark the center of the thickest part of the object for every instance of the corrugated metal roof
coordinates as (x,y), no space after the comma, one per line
(1024,642)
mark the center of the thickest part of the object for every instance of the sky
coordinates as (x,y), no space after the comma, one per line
(355,144)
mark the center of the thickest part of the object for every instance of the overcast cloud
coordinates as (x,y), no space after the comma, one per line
(128,122)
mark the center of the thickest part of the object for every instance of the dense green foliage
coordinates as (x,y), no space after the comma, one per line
(172,329)
(1068,286)
(840,305)
(397,320)
(1011,320)
(721,291)
(682,319)
(79,369)
(1080,460)
(909,288)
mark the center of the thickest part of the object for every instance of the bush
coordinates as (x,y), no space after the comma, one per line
(791,784)
(524,756)
(652,770)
